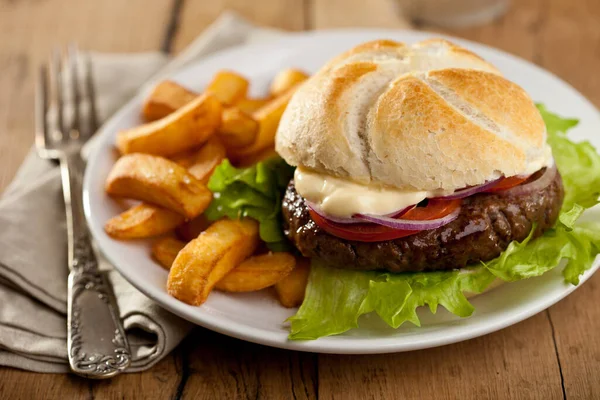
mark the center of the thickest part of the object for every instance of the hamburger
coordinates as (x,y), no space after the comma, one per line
(414,158)
(415,175)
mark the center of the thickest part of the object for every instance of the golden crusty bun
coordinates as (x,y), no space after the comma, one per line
(428,116)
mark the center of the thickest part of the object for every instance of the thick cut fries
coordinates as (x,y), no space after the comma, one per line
(257,272)
(251,159)
(166,97)
(206,260)
(285,80)
(142,221)
(202,162)
(186,128)
(190,230)
(165,250)
(237,129)
(290,289)
(268,119)
(159,181)
(228,87)
(251,105)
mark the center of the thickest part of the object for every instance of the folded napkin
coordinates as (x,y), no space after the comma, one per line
(33,259)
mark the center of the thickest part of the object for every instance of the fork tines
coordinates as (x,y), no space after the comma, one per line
(65,105)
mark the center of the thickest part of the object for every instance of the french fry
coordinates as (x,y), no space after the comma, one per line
(207,259)
(186,128)
(165,250)
(251,105)
(290,289)
(237,129)
(257,272)
(268,118)
(202,162)
(166,97)
(228,87)
(190,230)
(158,181)
(285,80)
(251,159)
(142,221)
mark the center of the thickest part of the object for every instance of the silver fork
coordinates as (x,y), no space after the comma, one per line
(96,342)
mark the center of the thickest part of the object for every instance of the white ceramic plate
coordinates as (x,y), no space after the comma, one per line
(258,317)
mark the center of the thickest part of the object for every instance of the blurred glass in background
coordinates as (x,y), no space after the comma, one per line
(452,13)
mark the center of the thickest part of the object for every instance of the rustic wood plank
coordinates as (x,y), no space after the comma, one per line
(518,362)
(576,325)
(223,367)
(556,34)
(218,366)
(160,382)
(327,14)
(28,32)
(509,364)
(30,29)
(562,38)
(570,37)
(196,15)
(20,385)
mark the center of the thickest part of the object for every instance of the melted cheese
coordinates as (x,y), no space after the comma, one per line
(343,198)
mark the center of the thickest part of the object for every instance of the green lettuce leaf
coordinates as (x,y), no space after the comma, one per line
(254,192)
(578,163)
(335,299)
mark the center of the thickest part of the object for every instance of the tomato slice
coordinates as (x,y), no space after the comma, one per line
(377,233)
(507,183)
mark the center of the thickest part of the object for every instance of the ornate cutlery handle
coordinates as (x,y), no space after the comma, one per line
(96,341)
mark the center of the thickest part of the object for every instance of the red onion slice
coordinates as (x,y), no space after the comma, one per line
(339,220)
(353,219)
(462,193)
(410,225)
(534,186)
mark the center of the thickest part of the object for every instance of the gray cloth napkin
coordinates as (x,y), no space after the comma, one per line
(33,264)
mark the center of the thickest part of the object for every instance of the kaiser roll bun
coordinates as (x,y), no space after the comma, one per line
(428,116)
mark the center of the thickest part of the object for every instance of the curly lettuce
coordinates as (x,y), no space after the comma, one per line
(254,192)
(335,299)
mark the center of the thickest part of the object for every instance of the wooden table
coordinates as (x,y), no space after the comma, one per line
(553,355)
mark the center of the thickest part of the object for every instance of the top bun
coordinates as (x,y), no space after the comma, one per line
(428,116)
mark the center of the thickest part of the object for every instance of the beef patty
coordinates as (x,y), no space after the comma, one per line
(486,225)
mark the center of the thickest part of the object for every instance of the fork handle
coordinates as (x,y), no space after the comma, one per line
(96,341)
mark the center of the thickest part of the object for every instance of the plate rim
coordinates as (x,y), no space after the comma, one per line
(332,344)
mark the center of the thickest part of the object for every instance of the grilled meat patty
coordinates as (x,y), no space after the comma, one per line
(486,225)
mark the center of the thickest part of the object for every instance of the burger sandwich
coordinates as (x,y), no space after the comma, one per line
(423,176)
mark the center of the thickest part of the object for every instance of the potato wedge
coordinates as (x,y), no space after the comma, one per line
(186,128)
(203,161)
(290,289)
(251,159)
(268,118)
(158,181)
(166,97)
(250,105)
(257,272)
(190,230)
(285,80)
(228,87)
(237,129)
(142,221)
(165,250)
(207,259)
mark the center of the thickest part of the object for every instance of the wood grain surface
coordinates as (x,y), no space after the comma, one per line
(554,355)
